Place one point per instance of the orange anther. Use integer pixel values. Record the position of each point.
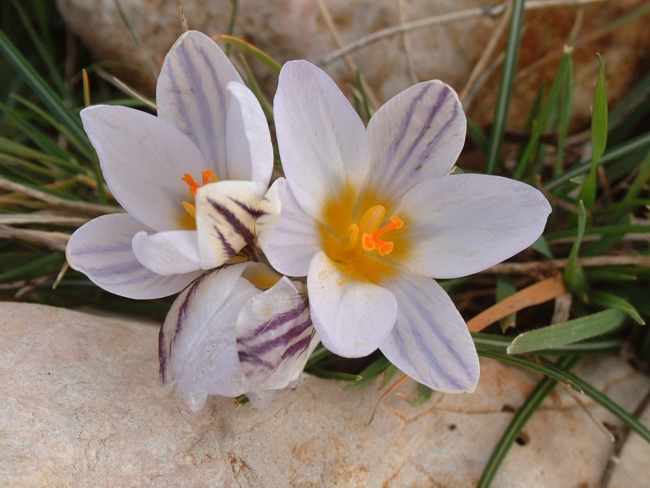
(187, 178)
(209, 177)
(371, 241)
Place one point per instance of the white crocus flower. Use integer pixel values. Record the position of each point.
(370, 216)
(174, 175)
(240, 329)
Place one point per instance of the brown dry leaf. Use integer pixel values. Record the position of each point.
(540, 292)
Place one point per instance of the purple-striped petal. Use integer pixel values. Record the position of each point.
(415, 136)
(101, 249)
(143, 160)
(286, 234)
(225, 219)
(461, 224)
(198, 343)
(275, 336)
(224, 336)
(352, 316)
(322, 141)
(192, 95)
(430, 341)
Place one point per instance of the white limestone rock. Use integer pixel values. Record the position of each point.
(82, 406)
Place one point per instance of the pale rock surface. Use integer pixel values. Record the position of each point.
(82, 406)
(295, 29)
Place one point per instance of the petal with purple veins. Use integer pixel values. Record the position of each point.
(416, 135)
(101, 249)
(192, 95)
(226, 213)
(430, 341)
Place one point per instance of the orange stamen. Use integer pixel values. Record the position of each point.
(209, 177)
(187, 178)
(371, 240)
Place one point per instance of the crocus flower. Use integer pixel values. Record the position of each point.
(371, 215)
(240, 329)
(171, 174)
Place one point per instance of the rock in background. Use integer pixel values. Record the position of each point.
(82, 406)
(293, 29)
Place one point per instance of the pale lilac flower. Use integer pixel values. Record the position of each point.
(163, 169)
(240, 329)
(370, 216)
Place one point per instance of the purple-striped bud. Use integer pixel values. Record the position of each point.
(241, 329)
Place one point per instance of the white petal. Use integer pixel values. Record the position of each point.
(461, 224)
(168, 253)
(322, 141)
(198, 343)
(248, 142)
(192, 95)
(225, 219)
(101, 249)
(286, 234)
(274, 335)
(430, 341)
(352, 317)
(415, 136)
(143, 159)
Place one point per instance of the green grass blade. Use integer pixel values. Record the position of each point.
(603, 400)
(573, 274)
(640, 180)
(564, 118)
(504, 289)
(319, 354)
(38, 267)
(424, 395)
(232, 23)
(598, 138)
(48, 96)
(369, 374)
(249, 48)
(43, 50)
(477, 136)
(641, 142)
(550, 105)
(567, 332)
(43, 140)
(506, 86)
(542, 247)
(79, 144)
(518, 422)
(532, 366)
(255, 88)
(605, 299)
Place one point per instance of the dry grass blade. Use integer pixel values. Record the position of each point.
(45, 219)
(406, 40)
(393, 387)
(532, 267)
(442, 19)
(540, 292)
(53, 240)
(117, 83)
(56, 202)
(182, 13)
(348, 60)
(482, 64)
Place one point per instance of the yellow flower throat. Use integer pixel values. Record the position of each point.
(362, 248)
